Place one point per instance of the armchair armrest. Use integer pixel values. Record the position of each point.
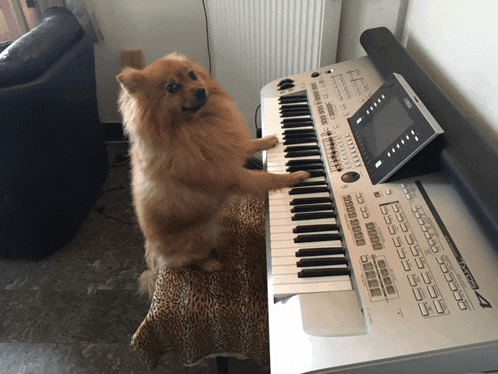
(32, 54)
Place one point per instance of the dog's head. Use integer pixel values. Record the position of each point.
(171, 90)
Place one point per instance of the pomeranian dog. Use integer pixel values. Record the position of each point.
(188, 148)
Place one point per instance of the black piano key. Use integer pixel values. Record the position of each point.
(297, 120)
(303, 140)
(312, 167)
(300, 148)
(313, 215)
(313, 183)
(309, 262)
(303, 122)
(293, 99)
(296, 113)
(310, 200)
(297, 125)
(298, 132)
(303, 162)
(316, 173)
(304, 133)
(316, 238)
(309, 134)
(311, 273)
(306, 190)
(291, 107)
(312, 208)
(308, 252)
(314, 228)
(302, 154)
(291, 113)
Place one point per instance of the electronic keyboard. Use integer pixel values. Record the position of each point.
(384, 260)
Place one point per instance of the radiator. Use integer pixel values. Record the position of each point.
(253, 42)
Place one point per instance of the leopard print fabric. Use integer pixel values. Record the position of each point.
(198, 314)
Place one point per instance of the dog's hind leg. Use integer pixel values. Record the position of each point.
(148, 278)
(205, 245)
(209, 264)
(147, 283)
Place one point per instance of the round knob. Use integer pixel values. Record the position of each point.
(350, 177)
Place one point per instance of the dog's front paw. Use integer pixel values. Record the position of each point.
(298, 177)
(270, 141)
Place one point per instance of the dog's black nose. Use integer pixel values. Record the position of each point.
(200, 94)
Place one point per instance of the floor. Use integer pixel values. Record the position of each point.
(76, 311)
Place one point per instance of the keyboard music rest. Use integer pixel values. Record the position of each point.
(291, 211)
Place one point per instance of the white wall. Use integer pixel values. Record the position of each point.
(256, 42)
(456, 42)
(158, 27)
(360, 15)
(162, 26)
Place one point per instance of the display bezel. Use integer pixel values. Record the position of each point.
(423, 129)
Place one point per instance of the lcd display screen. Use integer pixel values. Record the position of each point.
(385, 126)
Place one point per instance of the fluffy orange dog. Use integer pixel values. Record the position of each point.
(188, 149)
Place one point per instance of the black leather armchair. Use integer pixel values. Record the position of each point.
(53, 159)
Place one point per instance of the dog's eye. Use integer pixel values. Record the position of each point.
(173, 88)
(192, 75)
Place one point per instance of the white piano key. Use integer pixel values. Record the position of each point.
(283, 197)
(290, 260)
(293, 269)
(283, 168)
(284, 222)
(280, 222)
(293, 279)
(274, 125)
(279, 208)
(291, 252)
(326, 285)
(281, 139)
(286, 162)
(278, 153)
(287, 208)
(280, 158)
(277, 169)
(277, 237)
(276, 150)
(288, 215)
(289, 244)
(275, 229)
(286, 201)
(280, 148)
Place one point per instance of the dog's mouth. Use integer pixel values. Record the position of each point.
(195, 108)
(200, 98)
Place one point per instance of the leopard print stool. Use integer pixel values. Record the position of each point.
(198, 314)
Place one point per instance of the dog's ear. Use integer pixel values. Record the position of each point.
(176, 56)
(131, 79)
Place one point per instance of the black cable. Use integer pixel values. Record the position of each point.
(100, 210)
(253, 162)
(207, 35)
(256, 118)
